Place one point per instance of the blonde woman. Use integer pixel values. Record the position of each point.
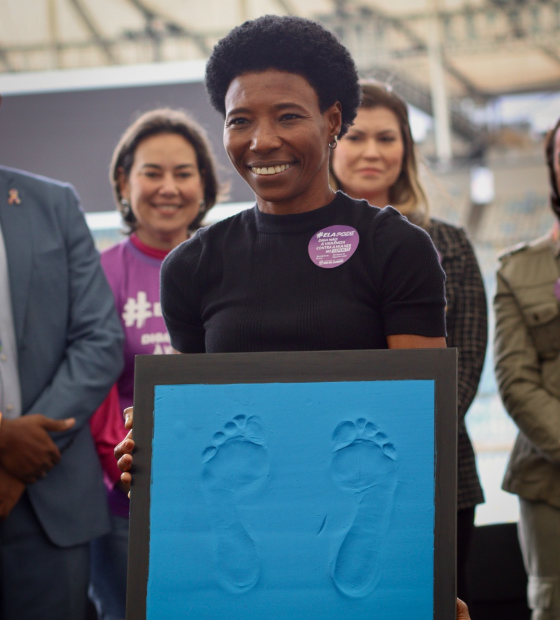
(376, 160)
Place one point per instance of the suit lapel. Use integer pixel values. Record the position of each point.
(17, 230)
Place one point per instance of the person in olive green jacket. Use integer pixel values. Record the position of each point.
(527, 354)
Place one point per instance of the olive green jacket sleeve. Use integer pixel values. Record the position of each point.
(527, 350)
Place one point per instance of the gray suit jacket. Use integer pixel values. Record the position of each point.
(69, 343)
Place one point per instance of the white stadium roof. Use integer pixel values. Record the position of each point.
(489, 47)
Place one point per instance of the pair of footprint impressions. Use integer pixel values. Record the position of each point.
(363, 462)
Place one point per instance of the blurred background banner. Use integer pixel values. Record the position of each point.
(482, 78)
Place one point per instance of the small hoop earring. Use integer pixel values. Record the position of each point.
(334, 143)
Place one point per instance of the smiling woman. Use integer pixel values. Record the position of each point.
(275, 136)
(288, 89)
(307, 268)
(369, 161)
(163, 177)
(164, 183)
(376, 160)
(164, 189)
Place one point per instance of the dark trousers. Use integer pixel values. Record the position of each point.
(38, 580)
(465, 528)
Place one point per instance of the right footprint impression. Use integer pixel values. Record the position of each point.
(235, 464)
(364, 463)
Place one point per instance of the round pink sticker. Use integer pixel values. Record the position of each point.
(557, 289)
(333, 246)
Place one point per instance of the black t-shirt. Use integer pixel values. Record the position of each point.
(248, 283)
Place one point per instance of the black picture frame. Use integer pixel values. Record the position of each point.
(439, 365)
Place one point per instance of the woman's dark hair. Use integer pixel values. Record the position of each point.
(549, 153)
(291, 44)
(157, 122)
(407, 193)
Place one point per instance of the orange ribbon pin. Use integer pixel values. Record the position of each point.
(13, 197)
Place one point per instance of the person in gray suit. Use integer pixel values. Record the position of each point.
(60, 352)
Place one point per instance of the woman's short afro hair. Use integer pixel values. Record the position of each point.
(291, 44)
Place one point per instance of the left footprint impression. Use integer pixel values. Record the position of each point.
(237, 463)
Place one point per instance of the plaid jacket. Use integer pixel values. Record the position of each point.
(467, 330)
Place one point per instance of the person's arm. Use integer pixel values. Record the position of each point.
(91, 364)
(410, 284)
(93, 357)
(124, 450)
(27, 451)
(518, 372)
(179, 309)
(179, 297)
(410, 341)
(107, 430)
(467, 325)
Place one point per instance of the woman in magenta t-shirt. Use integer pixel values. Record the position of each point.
(164, 182)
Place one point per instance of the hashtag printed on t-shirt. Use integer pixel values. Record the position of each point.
(134, 280)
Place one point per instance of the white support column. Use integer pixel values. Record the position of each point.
(440, 104)
(243, 10)
(53, 34)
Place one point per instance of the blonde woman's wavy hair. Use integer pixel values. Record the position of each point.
(407, 194)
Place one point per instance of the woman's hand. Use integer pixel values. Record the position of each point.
(123, 452)
(462, 610)
(412, 341)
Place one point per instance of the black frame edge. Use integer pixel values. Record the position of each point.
(439, 365)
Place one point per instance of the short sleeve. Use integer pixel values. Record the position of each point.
(410, 277)
(180, 297)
